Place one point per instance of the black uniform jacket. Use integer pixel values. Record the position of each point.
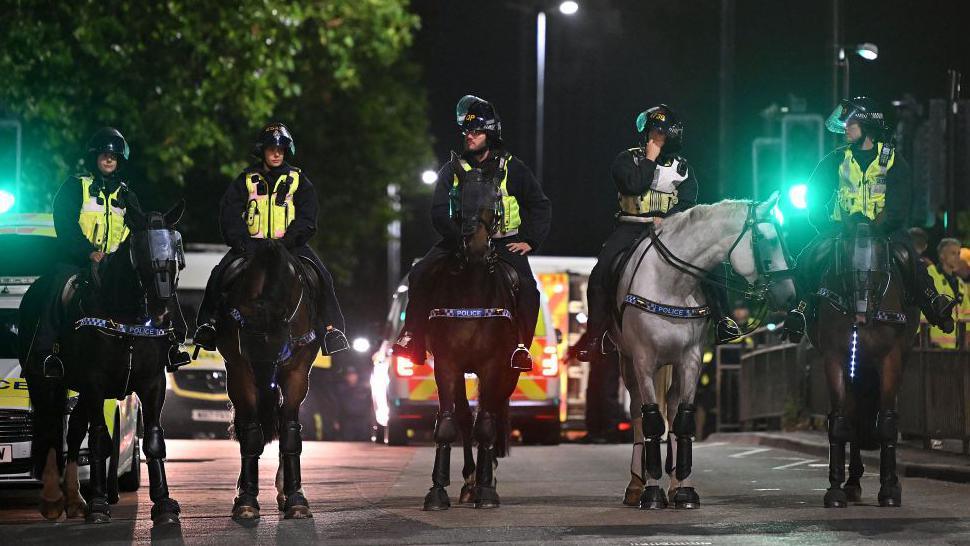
(535, 209)
(67, 208)
(234, 201)
(633, 173)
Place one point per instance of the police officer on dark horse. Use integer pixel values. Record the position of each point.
(863, 316)
(526, 215)
(269, 315)
(652, 181)
(271, 199)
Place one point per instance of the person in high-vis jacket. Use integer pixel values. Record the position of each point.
(527, 214)
(652, 182)
(89, 220)
(948, 283)
(864, 177)
(271, 199)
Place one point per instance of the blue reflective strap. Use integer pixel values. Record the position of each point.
(672, 311)
(471, 313)
(137, 330)
(890, 316)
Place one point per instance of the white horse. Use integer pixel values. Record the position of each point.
(663, 319)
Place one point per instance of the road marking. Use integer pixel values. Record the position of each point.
(796, 463)
(819, 465)
(750, 452)
(713, 444)
(768, 489)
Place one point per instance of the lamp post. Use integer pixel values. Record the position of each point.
(566, 8)
(867, 51)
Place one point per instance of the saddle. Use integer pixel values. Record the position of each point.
(307, 270)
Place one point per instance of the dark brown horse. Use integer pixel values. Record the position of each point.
(267, 338)
(864, 328)
(471, 331)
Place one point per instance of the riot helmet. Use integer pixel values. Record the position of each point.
(662, 119)
(275, 134)
(862, 110)
(476, 114)
(107, 140)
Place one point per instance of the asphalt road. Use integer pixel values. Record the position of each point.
(368, 494)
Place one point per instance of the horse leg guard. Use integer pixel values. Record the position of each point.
(250, 436)
(445, 432)
(485, 431)
(99, 444)
(853, 486)
(465, 423)
(684, 429)
(840, 432)
(890, 490)
(295, 505)
(653, 497)
(164, 508)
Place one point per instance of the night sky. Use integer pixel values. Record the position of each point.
(616, 58)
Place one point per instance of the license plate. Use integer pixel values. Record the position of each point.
(217, 416)
(6, 453)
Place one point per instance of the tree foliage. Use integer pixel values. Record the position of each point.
(190, 83)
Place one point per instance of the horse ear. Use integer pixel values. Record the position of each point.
(174, 214)
(765, 206)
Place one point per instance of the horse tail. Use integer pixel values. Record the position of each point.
(503, 431)
(47, 398)
(866, 392)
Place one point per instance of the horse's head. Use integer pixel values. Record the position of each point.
(479, 215)
(759, 255)
(156, 253)
(264, 301)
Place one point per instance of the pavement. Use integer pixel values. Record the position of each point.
(751, 493)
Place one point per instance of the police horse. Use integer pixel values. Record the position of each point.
(471, 330)
(120, 345)
(266, 336)
(863, 326)
(662, 317)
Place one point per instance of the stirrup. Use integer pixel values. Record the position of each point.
(205, 337)
(53, 367)
(795, 323)
(727, 330)
(177, 358)
(334, 341)
(521, 359)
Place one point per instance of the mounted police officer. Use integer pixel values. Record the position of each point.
(271, 199)
(652, 182)
(865, 177)
(527, 214)
(89, 219)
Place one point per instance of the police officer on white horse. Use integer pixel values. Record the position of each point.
(652, 182)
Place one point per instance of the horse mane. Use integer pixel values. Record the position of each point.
(701, 214)
(274, 260)
(120, 289)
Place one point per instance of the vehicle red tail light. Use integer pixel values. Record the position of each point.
(403, 366)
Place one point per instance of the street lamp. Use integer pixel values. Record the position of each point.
(429, 177)
(866, 50)
(566, 8)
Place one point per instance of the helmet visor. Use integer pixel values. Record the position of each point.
(462, 110)
(654, 119)
(840, 117)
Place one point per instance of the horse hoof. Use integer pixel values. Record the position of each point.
(297, 512)
(835, 498)
(685, 498)
(51, 510)
(113, 498)
(166, 511)
(97, 517)
(245, 513)
(891, 496)
(436, 499)
(653, 498)
(853, 492)
(486, 497)
(75, 509)
(467, 495)
(631, 497)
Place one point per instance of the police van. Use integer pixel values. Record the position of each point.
(28, 246)
(405, 396)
